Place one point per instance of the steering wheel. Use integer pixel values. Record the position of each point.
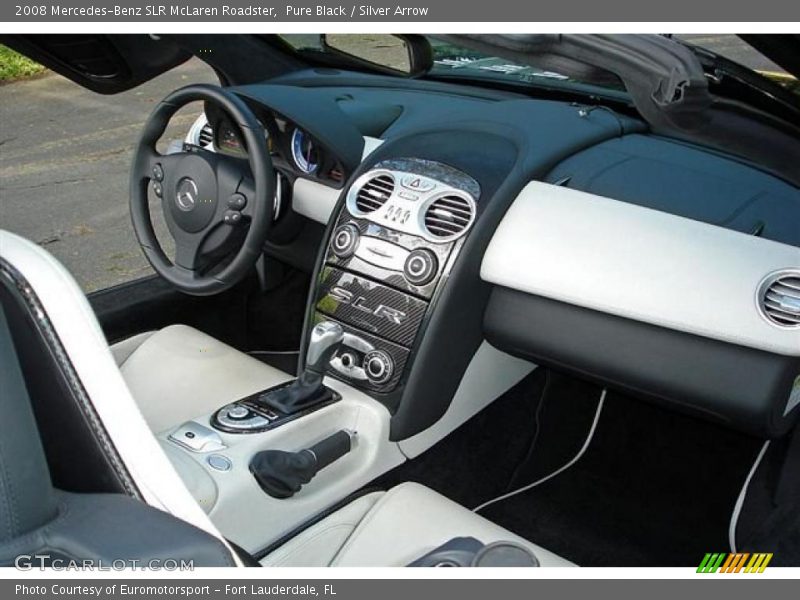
(218, 209)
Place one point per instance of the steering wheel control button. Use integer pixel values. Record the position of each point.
(219, 462)
(420, 266)
(417, 183)
(158, 172)
(378, 366)
(197, 438)
(345, 240)
(238, 412)
(237, 201)
(232, 217)
(158, 190)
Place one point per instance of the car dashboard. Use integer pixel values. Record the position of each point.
(561, 234)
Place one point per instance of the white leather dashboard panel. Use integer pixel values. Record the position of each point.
(314, 200)
(639, 263)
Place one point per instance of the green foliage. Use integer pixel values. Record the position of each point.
(15, 66)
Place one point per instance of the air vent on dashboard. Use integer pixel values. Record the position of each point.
(374, 193)
(206, 136)
(448, 216)
(779, 298)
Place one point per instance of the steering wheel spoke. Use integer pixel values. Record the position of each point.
(187, 255)
(206, 207)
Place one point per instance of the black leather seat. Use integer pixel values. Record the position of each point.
(101, 518)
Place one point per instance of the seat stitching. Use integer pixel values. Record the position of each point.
(9, 496)
(313, 538)
(364, 521)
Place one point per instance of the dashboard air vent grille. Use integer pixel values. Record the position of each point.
(448, 216)
(780, 299)
(374, 193)
(206, 137)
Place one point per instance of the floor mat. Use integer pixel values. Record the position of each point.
(654, 488)
(486, 451)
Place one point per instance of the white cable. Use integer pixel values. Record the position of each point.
(737, 508)
(558, 471)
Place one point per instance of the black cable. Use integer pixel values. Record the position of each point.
(535, 437)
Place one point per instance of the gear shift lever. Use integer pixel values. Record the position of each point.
(308, 390)
(326, 337)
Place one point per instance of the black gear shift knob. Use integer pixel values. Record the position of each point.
(308, 390)
(326, 337)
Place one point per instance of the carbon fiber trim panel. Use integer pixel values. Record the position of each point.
(369, 306)
(398, 353)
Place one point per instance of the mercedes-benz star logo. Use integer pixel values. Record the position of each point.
(186, 196)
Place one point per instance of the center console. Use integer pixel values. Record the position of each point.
(390, 293)
(395, 238)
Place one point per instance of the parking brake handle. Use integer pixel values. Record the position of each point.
(281, 474)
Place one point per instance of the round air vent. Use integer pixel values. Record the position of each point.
(447, 217)
(779, 298)
(374, 193)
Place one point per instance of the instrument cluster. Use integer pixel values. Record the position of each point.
(292, 148)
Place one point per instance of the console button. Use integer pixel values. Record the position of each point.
(238, 412)
(420, 266)
(417, 183)
(408, 196)
(219, 462)
(347, 364)
(251, 423)
(381, 253)
(197, 438)
(345, 240)
(379, 366)
(348, 360)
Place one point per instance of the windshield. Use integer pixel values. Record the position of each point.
(454, 61)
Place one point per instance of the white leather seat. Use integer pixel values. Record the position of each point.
(179, 373)
(56, 300)
(392, 529)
